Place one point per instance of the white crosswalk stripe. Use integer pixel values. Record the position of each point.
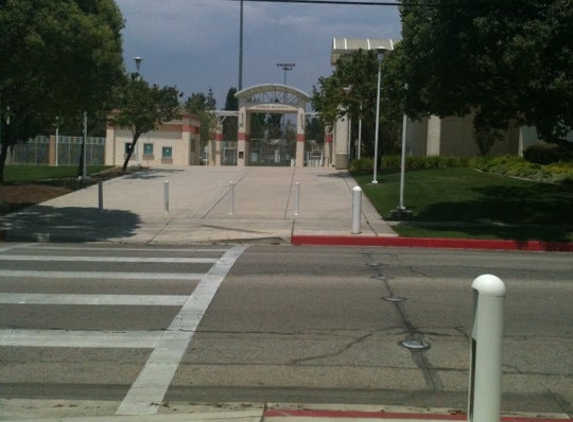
(167, 346)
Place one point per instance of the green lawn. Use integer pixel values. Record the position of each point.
(27, 173)
(486, 205)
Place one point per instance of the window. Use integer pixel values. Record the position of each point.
(167, 155)
(127, 147)
(147, 149)
(167, 152)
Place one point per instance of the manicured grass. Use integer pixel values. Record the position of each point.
(486, 205)
(27, 173)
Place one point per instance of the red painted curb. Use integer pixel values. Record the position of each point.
(387, 415)
(422, 242)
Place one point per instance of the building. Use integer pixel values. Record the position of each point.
(175, 143)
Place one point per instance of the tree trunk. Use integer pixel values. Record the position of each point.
(131, 149)
(3, 155)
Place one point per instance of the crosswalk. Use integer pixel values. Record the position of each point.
(36, 280)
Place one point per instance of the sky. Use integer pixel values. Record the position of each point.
(194, 44)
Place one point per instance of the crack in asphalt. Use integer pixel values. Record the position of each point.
(419, 357)
(335, 353)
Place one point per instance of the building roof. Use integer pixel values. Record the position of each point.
(345, 46)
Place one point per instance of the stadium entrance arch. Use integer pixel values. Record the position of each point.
(273, 99)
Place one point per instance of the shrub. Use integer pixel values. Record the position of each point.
(546, 153)
(362, 166)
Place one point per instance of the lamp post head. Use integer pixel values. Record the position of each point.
(138, 61)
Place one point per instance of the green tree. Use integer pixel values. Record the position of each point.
(351, 90)
(200, 105)
(143, 107)
(504, 60)
(59, 59)
(231, 124)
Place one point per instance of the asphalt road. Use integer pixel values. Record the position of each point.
(131, 327)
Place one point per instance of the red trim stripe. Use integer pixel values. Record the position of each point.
(387, 415)
(419, 242)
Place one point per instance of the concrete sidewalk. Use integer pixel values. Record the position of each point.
(199, 208)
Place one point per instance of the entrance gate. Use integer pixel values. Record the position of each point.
(274, 99)
(274, 152)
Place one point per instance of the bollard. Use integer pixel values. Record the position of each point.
(231, 198)
(356, 209)
(297, 198)
(100, 194)
(166, 196)
(484, 401)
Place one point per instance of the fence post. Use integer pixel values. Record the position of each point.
(484, 401)
(231, 198)
(100, 194)
(297, 198)
(166, 196)
(356, 209)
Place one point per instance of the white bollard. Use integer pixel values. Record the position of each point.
(100, 194)
(297, 198)
(166, 196)
(231, 198)
(356, 209)
(484, 402)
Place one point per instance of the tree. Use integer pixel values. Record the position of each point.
(60, 58)
(503, 60)
(143, 107)
(351, 90)
(230, 124)
(200, 104)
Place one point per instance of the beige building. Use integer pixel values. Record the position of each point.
(174, 143)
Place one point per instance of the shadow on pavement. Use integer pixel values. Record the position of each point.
(148, 174)
(45, 223)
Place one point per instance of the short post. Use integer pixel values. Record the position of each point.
(356, 209)
(100, 194)
(231, 198)
(166, 196)
(297, 198)
(484, 402)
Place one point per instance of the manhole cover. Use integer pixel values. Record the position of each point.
(415, 344)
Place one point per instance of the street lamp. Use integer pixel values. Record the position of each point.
(381, 52)
(138, 61)
(286, 67)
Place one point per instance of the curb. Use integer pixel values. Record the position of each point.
(360, 414)
(420, 242)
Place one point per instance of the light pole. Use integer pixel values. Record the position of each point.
(138, 61)
(241, 48)
(381, 52)
(286, 67)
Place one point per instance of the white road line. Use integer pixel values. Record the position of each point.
(101, 274)
(91, 299)
(35, 246)
(148, 390)
(139, 260)
(80, 339)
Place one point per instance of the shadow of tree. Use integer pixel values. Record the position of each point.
(155, 173)
(533, 204)
(68, 224)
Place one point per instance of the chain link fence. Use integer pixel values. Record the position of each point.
(37, 151)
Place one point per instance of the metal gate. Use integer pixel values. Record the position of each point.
(274, 152)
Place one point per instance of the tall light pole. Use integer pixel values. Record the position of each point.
(286, 67)
(381, 52)
(241, 48)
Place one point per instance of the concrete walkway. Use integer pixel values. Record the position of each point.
(199, 208)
